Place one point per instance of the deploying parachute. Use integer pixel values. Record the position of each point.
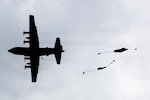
(99, 68)
(116, 51)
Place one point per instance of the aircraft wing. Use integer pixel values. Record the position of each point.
(33, 37)
(34, 59)
(33, 46)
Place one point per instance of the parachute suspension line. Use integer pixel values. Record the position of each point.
(89, 71)
(110, 63)
(104, 52)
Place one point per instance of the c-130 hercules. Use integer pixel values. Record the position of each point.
(33, 52)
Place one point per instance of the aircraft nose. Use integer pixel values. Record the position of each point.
(10, 50)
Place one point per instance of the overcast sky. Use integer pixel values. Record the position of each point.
(85, 28)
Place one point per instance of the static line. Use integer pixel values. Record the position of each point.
(99, 68)
(104, 52)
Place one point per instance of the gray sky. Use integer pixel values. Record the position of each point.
(85, 28)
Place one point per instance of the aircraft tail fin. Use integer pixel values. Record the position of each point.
(58, 50)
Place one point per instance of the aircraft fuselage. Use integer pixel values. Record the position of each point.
(26, 51)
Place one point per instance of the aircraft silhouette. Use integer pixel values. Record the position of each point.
(33, 52)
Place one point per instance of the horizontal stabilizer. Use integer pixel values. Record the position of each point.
(58, 50)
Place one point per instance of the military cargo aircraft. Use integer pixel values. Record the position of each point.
(33, 52)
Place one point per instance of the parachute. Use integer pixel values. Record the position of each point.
(99, 68)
